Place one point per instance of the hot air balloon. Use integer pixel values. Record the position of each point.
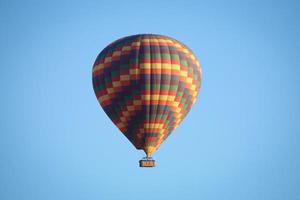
(146, 84)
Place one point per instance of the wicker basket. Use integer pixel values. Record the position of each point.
(147, 163)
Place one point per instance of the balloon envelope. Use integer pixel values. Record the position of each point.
(146, 84)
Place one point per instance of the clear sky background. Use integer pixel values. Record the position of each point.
(239, 142)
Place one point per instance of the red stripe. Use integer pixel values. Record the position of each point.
(160, 60)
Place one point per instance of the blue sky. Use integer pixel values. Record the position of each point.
(240, 140)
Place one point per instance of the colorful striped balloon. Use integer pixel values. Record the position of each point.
(146, 84)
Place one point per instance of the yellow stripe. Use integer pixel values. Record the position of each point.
(183, 73)
(177, 110)
(116, 83)
(175, 104)
(153, 125)
(134, 71)
(110, 90)
(103, 98)
(137, 102)
(195, 93)
(126, 113)
(124, 77)
(186, 51)
(120, 125)
(116, 53)
(193, 87)
(130, 108)
(126, 48)
(169, 98)
(98, 67)
(136, 44)
(189, 80)
(159, 66)
(107, 59)
(146, 97)
(157, 40)
(157, 97)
